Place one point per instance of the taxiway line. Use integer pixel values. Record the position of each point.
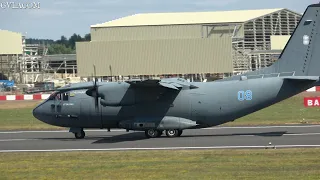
(295, 134)
(9, 140)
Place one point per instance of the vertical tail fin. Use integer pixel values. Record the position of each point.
(302, 52)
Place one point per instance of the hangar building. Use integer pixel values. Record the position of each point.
(186, 43)
(10, 50)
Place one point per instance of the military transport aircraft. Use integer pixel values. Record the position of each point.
(174, 104)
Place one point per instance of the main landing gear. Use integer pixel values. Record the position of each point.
(153, 133)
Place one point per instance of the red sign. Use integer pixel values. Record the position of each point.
(311, 101)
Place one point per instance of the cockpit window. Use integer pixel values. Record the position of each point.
(52, 96)
(65, 96)
(59, 96)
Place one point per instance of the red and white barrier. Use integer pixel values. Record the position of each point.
(314, 89)
(24, 97)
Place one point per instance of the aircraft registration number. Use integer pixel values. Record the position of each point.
(245, 95)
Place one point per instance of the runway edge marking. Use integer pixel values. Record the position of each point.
(164, 148)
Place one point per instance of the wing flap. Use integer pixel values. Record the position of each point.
(168, 85)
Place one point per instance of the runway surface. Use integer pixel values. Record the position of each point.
(211, 138)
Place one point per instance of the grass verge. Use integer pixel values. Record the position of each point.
(290, 111)
(204, 164)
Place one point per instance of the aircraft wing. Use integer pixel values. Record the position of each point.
(171, 83)
(65, 89)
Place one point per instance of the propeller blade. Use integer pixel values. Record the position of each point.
(95, 75)
(96, 97)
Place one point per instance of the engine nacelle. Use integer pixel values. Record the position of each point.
(167, 122)
(116, 94)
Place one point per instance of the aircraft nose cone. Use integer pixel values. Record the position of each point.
(36, 113)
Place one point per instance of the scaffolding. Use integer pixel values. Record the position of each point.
(48, 67)
(35, 65)
(257, 37)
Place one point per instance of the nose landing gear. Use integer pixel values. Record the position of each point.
(78, 133)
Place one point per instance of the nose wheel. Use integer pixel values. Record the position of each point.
(79, 135)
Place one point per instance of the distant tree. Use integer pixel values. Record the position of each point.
(73, 39)
(63, 40)
(59, 49)
(87, 37)
(62, 45)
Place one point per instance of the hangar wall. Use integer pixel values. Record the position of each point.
(279, 42)
(245, 31)
(162, 32)
(155, 57)
(10, 49)
(10, 42)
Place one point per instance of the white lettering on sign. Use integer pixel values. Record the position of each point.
(312, 101)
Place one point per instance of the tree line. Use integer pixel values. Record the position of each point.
(62, 46)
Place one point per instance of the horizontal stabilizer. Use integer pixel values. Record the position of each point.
(302, 78)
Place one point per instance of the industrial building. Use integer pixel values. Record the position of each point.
(29, 63)
(10, 50)
(222, 42)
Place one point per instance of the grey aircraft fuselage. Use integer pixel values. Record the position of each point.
(211, 104)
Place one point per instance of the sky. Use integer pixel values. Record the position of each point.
(55, 18)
